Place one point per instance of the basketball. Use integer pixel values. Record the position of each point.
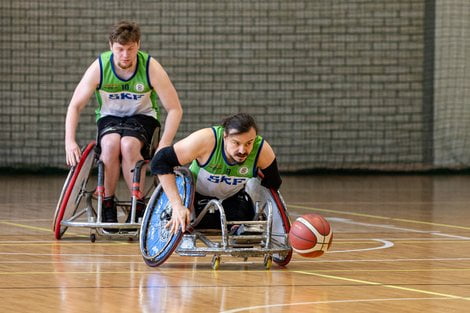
(310, 235)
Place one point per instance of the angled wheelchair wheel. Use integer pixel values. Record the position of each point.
(156, 242)
(72, 193)
(281, 225)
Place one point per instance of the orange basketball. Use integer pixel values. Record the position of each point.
(311, 235)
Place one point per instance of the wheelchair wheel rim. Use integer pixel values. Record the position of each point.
(156, 244)
(75, 182)
(280, 259)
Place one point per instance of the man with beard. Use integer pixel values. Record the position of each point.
(222, 158)
(127, 83)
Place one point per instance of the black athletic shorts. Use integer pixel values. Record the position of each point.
(141, 127)
(238, 207)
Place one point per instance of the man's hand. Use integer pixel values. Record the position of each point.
(179, 217)
(72, 153)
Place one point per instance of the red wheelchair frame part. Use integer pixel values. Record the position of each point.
(65, 199)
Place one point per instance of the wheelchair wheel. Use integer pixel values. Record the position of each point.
(73, 191)
(156, 242)
(281, 225)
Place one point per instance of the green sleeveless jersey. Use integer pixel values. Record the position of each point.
(120, 97)
(217, 178)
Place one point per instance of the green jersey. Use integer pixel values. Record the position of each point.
(125, 97)
(217, 177)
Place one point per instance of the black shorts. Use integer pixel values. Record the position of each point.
(238, 207)
(141, 127)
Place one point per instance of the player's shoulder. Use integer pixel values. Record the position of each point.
(153, 62)
(93, 73)
(197, 144)
(204, 133)
(202, 138)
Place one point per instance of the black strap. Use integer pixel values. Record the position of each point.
(164, 161)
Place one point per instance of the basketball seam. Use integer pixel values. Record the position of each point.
(322, 240)
(311, 228)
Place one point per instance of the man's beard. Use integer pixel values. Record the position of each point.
(239, 155)
(125, 67)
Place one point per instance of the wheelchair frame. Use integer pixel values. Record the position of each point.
(79, 200)
(268, 230)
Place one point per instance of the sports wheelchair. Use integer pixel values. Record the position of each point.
(264, 236)
(81, 199)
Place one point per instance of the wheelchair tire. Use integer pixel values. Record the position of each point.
(156, 243)
(71, 194)
(279, 202)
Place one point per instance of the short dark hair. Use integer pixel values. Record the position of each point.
(240, 122)
(124, 32)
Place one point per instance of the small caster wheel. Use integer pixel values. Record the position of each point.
(245, 259)
(268, 261)
(215, 262)
(92, 237)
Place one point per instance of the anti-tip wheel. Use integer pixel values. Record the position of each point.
(268, 261)
(215, 262)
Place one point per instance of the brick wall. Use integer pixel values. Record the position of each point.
(333, 84)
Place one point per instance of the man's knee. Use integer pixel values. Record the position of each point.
(110, 147)
(130, 147)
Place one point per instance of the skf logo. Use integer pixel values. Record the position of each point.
(233, 181)
(124, 96)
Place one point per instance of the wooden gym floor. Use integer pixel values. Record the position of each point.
(402, 244)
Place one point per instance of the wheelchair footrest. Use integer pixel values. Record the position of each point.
(247, 234)
(246, 230)
(188, 242)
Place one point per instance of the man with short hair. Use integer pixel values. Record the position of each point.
(222, 158)
(126, 83)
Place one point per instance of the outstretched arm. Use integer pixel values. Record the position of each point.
(198, 146)
(80, 98)
(170, 101)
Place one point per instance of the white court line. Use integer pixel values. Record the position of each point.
(349, 221)
(25, 220)
(74, 243)
(66, 244)
(74, 262)
(70, 254)
(247, 262)
(380, 260)
(437, 233)
(386, 244)
(330, 302)
(405, 239)
(449, 236)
